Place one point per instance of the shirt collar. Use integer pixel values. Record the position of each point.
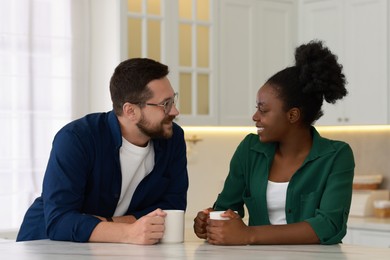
(115, 129)
(320, 146)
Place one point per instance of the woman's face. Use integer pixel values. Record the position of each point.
(270, 118)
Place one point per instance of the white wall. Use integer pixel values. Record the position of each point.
(208, 165)
(104, 51)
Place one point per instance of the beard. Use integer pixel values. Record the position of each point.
(157, 130)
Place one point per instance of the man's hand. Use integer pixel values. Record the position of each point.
(148, 229)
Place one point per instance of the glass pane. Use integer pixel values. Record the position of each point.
(154, 7)
(185, 100)
(185, 9)
(134, 6)
(185, 45)
(203, 94)
(134, 34)
(154, 40)
(203, 10)
(202, 46)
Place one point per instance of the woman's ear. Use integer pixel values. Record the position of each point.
(294, 114)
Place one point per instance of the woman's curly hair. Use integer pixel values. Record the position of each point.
(316, 76)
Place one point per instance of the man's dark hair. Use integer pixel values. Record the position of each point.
(129, 83)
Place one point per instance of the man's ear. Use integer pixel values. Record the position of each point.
(130, 110)
(294, 114)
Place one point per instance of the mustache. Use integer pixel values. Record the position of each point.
(169, 119)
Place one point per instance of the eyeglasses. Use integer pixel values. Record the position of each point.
(166, 104)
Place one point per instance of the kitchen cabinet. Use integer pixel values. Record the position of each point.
(217, 74)
(181, 34)
(357, 31)
(257, 39)
(218, 60)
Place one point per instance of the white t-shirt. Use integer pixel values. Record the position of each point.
(136, 163)
(276, 202)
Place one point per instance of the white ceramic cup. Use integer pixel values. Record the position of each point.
(217, 215)
(174, 226)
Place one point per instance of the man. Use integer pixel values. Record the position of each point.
(111, 175)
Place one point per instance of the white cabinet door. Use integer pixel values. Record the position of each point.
(366, 59)
(355, 30)
(257, 40)
(236, 61)
(323, 20)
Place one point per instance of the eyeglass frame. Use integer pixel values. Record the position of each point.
(168, 103)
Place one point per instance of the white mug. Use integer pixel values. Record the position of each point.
(174, 226)
(217, 215)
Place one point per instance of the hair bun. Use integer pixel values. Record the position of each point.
(319, 71)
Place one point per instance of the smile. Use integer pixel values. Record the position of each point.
(260, 129)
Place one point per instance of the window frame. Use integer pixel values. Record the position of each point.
(170, 22)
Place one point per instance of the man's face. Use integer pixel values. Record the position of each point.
(162, 129)
(160, 111)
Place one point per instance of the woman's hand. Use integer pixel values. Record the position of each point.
(227, 232)
(200, 223)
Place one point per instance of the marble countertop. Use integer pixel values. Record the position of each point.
(371, 223)
(56, 250)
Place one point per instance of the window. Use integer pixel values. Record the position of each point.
(36, 57)
(194, 56)
(144, 29)
(181, 34)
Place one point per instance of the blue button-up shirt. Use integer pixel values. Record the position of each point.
(83, 178)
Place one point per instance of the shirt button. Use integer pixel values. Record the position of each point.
(289, 210)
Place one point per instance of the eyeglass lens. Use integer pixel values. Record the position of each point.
(169, 103)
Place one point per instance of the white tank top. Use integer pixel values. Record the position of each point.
(276, 202)
(136, 163)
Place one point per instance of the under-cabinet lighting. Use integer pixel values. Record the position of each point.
(250, 129)
(219, 129)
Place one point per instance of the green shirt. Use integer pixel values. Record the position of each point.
(319, 192)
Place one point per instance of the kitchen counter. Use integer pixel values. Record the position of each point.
(368, 231)
(47, 249)
(371, 223)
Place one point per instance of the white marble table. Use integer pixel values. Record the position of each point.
(54, 250)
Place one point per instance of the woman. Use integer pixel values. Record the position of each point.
(295, 184)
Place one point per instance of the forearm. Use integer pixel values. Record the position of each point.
(110, 232)
(296, 233)
(147, 230)
(129, 219)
